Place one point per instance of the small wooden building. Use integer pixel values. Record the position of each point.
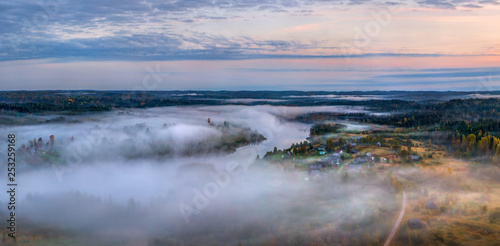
(430, 205)
(415, 224)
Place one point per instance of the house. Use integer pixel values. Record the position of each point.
(336, 154)
(378, 144)
(369, 156)
(339, 151)
(336, 160)
(321, 163)
(430, 205)
(315, 166)
(414, 157)
(288, 155)
(321, 147)
(315, 169)
(355, 151)
(333, 159)
(359, 160)
(322, 152)
(415, 224)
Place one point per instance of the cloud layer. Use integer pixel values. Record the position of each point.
(106, 198)
(180, 30)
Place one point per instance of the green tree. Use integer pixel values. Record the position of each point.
(341, 142)
(396, 148)
(329, 144)
(408, 144)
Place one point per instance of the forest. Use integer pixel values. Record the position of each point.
(426, 110)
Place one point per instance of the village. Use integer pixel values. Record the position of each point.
(442, 191)
(344, 150)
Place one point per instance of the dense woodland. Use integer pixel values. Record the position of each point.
(467, 128)
(319, 129)
(420, 115)
(395, 101)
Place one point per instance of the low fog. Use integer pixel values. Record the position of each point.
(111, 188)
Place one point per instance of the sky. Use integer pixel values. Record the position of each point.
(250, 45)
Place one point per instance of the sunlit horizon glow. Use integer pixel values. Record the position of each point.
(255, 45)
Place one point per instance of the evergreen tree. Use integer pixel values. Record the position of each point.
(329, 144)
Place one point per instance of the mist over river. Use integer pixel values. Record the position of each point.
(99, 190)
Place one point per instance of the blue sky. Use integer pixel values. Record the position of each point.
(259, 44)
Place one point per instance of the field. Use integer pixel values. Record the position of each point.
(466, 196)
(466, 193)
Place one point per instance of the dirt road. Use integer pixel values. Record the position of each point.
(398, 221)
